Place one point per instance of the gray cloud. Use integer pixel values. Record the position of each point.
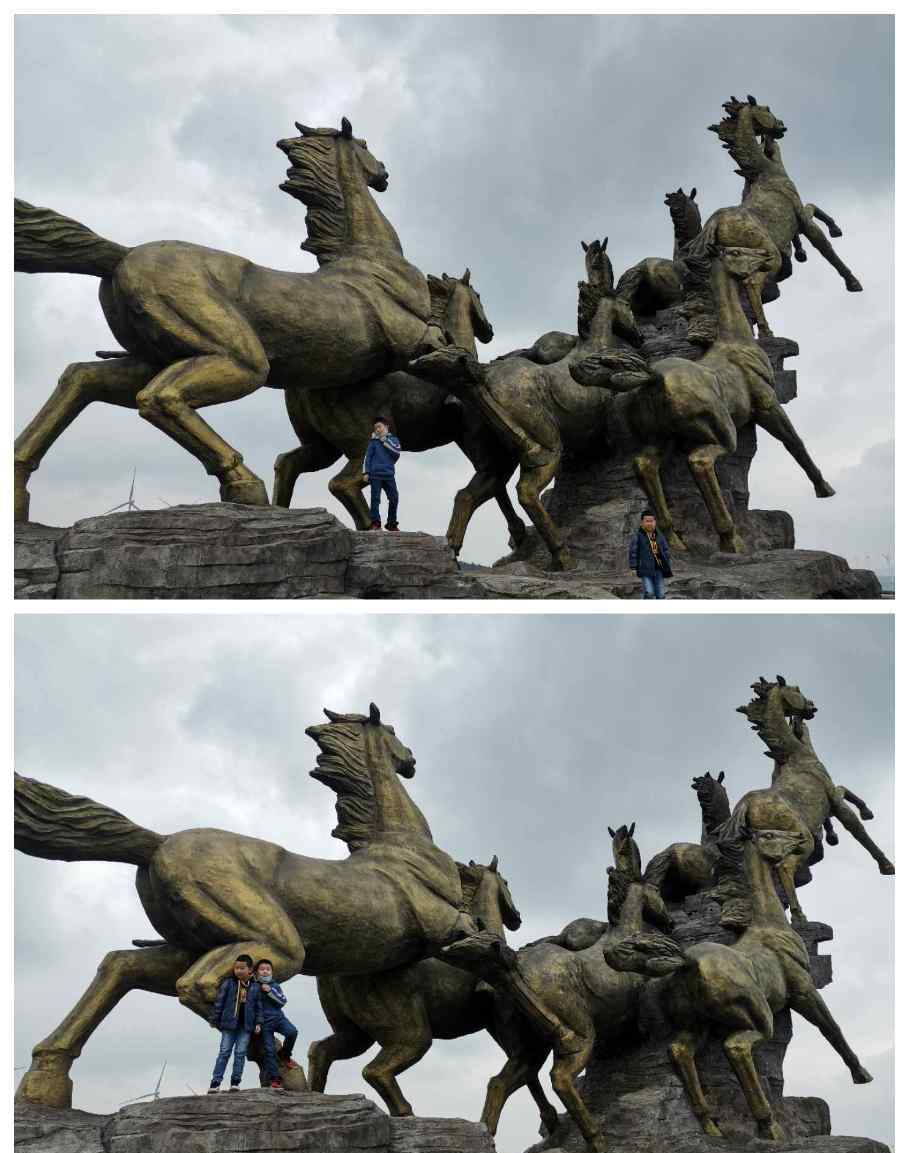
(531, 735)
(508, 139)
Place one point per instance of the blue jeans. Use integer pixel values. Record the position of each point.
(653, 587)
(238, 1040)
(376, 485)
(288, 1032)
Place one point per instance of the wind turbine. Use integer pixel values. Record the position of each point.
(155, 1093)
(129, 504)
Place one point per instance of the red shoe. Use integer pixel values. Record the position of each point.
(290, 1063)
(376, 524)
(276, 1084)
(392, 527)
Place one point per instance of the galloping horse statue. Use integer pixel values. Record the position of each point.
(406, 1009)
(337, 422)
(700, 404)
(802, 796)
(201, 327)
(537, 409)
(212, 894)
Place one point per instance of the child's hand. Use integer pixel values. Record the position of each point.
(266, 988)
(366, 478)
(258, 1029)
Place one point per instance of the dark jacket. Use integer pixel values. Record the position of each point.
(381, 457)
(273, 1002)
(223, 1013)
(640, 554)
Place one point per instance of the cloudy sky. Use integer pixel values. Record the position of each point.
(531, 734)
(508, 140)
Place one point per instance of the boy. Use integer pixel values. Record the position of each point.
(237, 1012)
(379, 470)
(648, 556)
(273, 1002)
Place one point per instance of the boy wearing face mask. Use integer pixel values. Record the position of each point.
(273, 1002)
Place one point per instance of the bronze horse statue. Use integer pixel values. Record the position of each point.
(212, 894)
(337, 422)
(201, 327)
(405, 1009)
(734, 990)
(656, 283)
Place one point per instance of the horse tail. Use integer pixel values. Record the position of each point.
(49, 823)
(653, 954)
(45, 241)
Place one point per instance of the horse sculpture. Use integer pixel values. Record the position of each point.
(202, 327)
(536, 408)
(337, 422)
(656, 283)
(571, 998)
(212, 894)
(685, 868)
(406, 1009)
(734, 991)
(701, 404)
(802, 796)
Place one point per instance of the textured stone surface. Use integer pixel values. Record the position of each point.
(259, 1120)
(36, 568)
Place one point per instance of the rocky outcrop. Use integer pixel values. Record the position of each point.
(259, 1119)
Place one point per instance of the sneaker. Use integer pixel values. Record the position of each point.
(234, 1089)
(214, 1087)
(290, 1063)
(376, 524)
(392, 527)
(276, 1084)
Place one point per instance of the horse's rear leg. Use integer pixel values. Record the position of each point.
(850, 821)
(347, 487)
(683, 1050)
(565, 1069)
(646, 466)
(112, 381)
(702, 463)
(155, 970)
(521, 1068)
(170, 401)
(481, 487)
(312, 455)
(774, 420)
(739, 1047)
(825, 248)
(397, 1054)
(534, 478)
(347, 1041)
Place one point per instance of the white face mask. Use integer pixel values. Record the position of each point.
(263, 977)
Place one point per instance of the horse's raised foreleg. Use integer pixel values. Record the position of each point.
(155, 970)
(832, 227)
(808, 1003)
(683, 1049)
(534, 478)
(810, 229)
(850, 821)
(702, 463)
(739, 1048)
(112, 381)
(864, 812)
(646, 466)
(769, 414)
(347, 487)
(170, 401)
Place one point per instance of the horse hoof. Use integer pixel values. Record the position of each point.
(824, 489)
(835, 231)
(861, 1076)
(887, 869)
(563, 561)
(800, 256)
(866, 814)
(770, 1131)
(732, 543)
(852, 284)
(46, 1087)
(675, 542)
(711, 1128)
(246, 491)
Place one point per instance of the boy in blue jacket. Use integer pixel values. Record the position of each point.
(237, 1013)
(379, 463)
(273, 1002)
(648, 556)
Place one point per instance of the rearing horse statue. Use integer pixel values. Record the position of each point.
(212, 894)
(202, 327)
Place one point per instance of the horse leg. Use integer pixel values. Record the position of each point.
(850, 821)
(170, 401)
(786, 871)
(864, 812)
(832, 227)
(481, 487)
(825, 248)
(647, 470)
(517, 530)
(769, 414)
(347, 487)
(394, 1057)
(565, 1068)
(520, 1069)
(312, 455)
(754, 286)
(798, 250)
(739, 1046)
(683, 1050)
(830, 833)
(702, 463)
(808, 1003)
(154, 969)
(112, 381)
(534, 478)
(347, 1041)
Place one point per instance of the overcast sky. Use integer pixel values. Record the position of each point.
(508, 140)
(531, 734)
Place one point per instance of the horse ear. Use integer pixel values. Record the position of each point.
(445, 276)
(603, 245)
(471, 864)
(611, 830)
(374, 718)
(346, 128)
(332, 716)
(584, 245)
(752, 101)
(303, 129)
(692, 194)
(780, 680)
(631, 830)
(719, 779)
(494, 865)
(465, 279)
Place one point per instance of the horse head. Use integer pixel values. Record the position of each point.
(597, 264)
(761, 124)
(601, 312)
(685, 214)
(713, 799)
(488, 896)
(625, 852)
(463, 318)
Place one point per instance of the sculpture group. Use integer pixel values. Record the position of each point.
(409, 946)
(369, 332)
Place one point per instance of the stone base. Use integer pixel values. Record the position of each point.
(259, 1119)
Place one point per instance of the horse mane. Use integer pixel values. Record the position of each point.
(343, 768)
(590, 296)
(732, 889)
(617, 889)
(747, 153)
(439, 295)
(316, 182)
(471, 876)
